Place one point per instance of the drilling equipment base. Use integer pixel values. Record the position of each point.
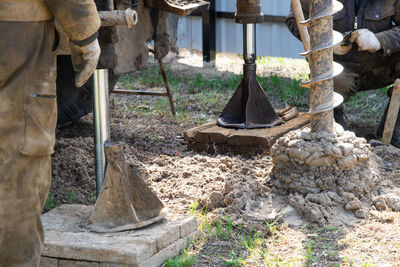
(212, 138)
(68, 243)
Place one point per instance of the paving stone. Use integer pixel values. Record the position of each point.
(102, 264)
(48, 262)
(167, 235)
(187, 225)
(129, 248)
(71, 263)
(170, 251)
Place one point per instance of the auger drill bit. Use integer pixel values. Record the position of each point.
(322, 68)
(249, 106)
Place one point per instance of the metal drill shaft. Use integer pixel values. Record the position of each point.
(321, 62)
(322, 68)
(101, 123)
(249, 43)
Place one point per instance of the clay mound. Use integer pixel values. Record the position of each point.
(335, 180)
(328, 179)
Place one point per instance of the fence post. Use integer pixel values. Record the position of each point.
(209, 33)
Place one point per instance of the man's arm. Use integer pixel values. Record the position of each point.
(80, 22)
(390, 39)
(78, 18)
(291, 20)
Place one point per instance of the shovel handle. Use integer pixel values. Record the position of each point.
(392, 113)
(298, 13)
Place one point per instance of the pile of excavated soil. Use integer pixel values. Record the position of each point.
(327, 176)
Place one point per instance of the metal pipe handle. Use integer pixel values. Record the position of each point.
(126, 17)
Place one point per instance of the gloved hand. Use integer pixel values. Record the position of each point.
(342, 48)
(345, 46)
(84, 59)
(366, 40)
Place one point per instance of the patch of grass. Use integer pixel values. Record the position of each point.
(200, 99)
(70, 196)
(50, 203)
(237, 244)
(232, 261)
(272, 227)
(321, 247)
(367, 106)
(288, 90)
(182, 260)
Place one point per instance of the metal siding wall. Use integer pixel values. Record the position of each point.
(273, 39)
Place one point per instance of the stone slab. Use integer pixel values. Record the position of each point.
(72, 263)
(67, 239)
(48, 262)
(212, 138)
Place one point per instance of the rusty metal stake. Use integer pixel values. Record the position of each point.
(322, 68)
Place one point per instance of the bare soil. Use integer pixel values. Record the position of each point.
(233, 185)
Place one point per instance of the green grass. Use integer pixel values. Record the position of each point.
(239, 244)
(200, 99)
(320, 247)
(51, 203)
(182, 260)
(70, 196)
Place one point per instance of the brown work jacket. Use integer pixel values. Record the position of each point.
(79, 19)
(382, 17)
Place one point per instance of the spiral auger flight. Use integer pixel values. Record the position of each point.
(322, 68)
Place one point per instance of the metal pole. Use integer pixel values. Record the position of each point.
(249, 43)
(110, 4)
(209, 33)
(101, 123)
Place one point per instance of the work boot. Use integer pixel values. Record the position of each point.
(396, 132)
(338, 114)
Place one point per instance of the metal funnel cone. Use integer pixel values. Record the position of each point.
(249, 106)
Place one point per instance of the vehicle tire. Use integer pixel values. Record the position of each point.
(74, 103)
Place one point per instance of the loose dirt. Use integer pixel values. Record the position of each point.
(234, 185)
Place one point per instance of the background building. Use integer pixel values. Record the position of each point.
(273, 37)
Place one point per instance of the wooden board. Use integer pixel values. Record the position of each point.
(212, 138)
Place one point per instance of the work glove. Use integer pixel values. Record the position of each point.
(345, 46)
(84, 59)
(342, 49)
(366, 40)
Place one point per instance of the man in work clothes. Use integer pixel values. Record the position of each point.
(28, 111)
(371, 60)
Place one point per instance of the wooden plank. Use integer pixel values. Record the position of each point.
(248, 137)
(217, 134)
(392, 113)
(201, 147)
(265, 137)
(189, 135)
